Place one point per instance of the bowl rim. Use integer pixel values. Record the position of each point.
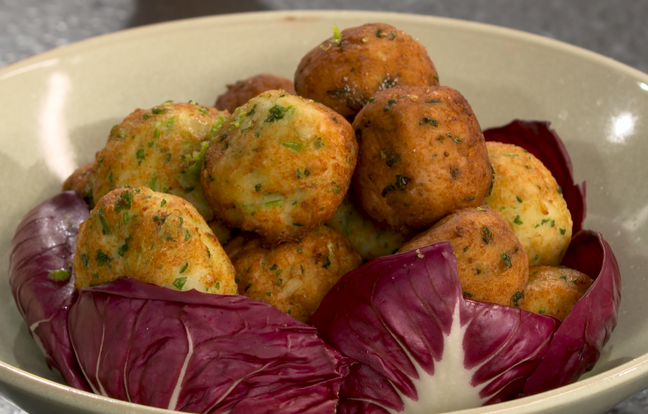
(633, 371)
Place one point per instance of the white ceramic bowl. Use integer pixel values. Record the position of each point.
(57, 109)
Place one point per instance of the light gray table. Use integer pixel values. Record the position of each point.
(614, 28)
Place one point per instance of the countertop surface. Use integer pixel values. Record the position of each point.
(616, 29)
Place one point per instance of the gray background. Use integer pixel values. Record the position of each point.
(614, 28)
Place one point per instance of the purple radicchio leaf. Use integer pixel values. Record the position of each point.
(42, 278)
(420, 346)
(545, 144)
(199, 352)
(578, 342)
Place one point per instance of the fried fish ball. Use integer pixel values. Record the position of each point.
(527, 195)
(154, 238)
(554, 290)
(344, 72)
(422, 155)
(280, 166)
(80, 181)
(242, 91)
(492, 264)
(369, 238)
(292, 277)
(159, 148)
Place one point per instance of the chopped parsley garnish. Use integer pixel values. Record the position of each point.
(105, 228)
(517, 220)
(277, 112)
(388, 190)
(487, 236)
(122, 249)
(506, 259)
(58, 275)
(180, 282)
(102, 258)
(339, 93)
(140, 156)
(516, 297)
(293, 145)
(428, 120)
(184, 267)
(402, 181)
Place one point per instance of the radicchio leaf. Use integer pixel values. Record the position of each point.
(420, 346)
(545, 144)
(199, 352)
(578, 342)
(40, 262)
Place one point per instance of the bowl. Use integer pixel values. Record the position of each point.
(58, 108)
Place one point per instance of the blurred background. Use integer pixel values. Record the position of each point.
(613, 28)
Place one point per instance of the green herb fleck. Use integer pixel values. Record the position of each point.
(183, 267)
(58, 275)
(105, 228)
(180, 282)
(340, 92)
(402, 181)
(428, 120)
(85, 259)
(140, 156)
(122, 249)
(487, 236)
(102, 258)
(517, 220)
(293, 145)
(516, 297)
(506, 259)
(388, 190)
(277, 112)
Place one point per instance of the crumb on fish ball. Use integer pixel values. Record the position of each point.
(344, 72)
(154, 238)
(527, 195)
(554, 290)
(492, 264)
(159, 148)
(280, 166)
(369, 238)
(244, 90)
(422, 155)
(80, 181)
(292, 277)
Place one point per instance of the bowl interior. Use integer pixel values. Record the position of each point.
(58, 107)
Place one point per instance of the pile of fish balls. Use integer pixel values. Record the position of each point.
(284, 186)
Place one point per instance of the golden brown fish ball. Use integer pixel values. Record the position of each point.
(344, 72)
(154, 238)
(159, 148)
(80, 181)
(280, 166)
(242, 91)
(293, 277)
(528, 197)
(369, 238)
(554, 290)
(492, 264)
(422, 155)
